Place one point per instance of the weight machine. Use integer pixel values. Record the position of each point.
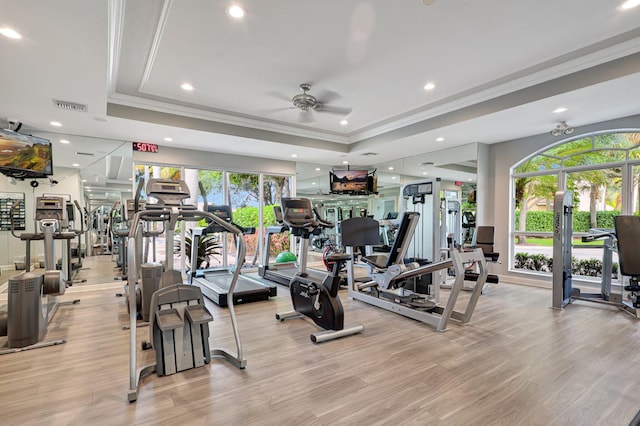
(623, 240)
(387, 286)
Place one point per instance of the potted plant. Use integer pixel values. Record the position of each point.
(208, 245)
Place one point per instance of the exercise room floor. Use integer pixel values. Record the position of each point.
(518, 363)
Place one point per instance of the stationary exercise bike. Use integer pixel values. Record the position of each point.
(316, 299)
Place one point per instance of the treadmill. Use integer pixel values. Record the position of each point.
(280, 273)
(214, 283)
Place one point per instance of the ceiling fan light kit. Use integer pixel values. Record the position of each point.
(305, 101)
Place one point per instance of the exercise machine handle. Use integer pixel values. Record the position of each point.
(204, 196)
(82, 218)
(12, 217)
(321, 222)
(136, 198)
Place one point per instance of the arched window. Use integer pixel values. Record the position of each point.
(603, 171)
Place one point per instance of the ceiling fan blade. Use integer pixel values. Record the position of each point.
(327, 96)
(273, 110)
(335, 110)
(279, 95)
(307, 116)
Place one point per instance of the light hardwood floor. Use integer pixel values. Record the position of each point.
(518, 363)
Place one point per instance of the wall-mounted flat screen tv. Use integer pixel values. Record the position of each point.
(349, 181)
(24, 156)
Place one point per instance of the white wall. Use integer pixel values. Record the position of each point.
(494, 188)
(68, 183)
(214, 161)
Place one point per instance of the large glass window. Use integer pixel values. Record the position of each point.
(274, 188)
(251, 205)
(600, 169)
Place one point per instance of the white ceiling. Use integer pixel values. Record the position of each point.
(500, 68)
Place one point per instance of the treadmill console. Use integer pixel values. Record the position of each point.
(297, 211)
(50, 208)
(168, 192)
(221, 211)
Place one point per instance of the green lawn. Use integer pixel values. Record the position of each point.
(548, 242)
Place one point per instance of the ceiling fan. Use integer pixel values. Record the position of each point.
(309, 104)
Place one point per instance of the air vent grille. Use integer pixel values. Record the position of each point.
(71, 106)
(88, 154)
(369, 154)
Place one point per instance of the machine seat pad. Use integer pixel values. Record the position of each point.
(472, 276)
(377, 260)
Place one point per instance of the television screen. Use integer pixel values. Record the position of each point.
(24, 155)
(349, 180)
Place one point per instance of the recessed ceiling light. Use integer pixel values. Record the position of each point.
(440, 139)
(469, 179)
(167, 139)
(344, 122)
(425, 173)
(76, 165)
(8, 32)
(130, 178)
(629, 4)
(561, 109)
(84, 180)
(55, 123)
(235, 11)
(88, 190)
(345, 162)
(313, 183)
(390, 167)
(429, 86)
(318, 169)
(294, 155)
(186, 86)
(64, 141)
(393, 177)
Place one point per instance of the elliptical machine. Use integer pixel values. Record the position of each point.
(313, 298)
(32, 301)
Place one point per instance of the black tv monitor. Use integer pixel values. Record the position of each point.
(346, 181)
(25, 156)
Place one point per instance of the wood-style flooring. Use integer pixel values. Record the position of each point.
(518, 363)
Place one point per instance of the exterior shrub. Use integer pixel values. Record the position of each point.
(543, 263)
(542, 221)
